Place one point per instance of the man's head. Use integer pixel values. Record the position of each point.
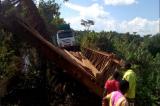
(116, 75)
(127, 65)
(124, 86)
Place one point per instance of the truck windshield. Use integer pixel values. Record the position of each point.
(65, 34)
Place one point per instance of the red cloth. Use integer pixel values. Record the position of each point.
(111, 85)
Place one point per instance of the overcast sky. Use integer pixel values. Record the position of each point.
(140, 16)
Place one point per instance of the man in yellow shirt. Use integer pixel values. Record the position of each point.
(130, 76)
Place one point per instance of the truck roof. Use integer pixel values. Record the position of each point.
(64, 27)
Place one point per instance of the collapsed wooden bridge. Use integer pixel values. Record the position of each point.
(88, 66)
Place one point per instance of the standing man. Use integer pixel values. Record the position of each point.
(130, 76)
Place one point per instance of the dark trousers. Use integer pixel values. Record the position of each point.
(130, 101)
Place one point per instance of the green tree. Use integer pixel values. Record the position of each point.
(154, 45)
(87, 23)
(48, 9)
(57, 21)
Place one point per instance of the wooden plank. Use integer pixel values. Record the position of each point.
(84, 62)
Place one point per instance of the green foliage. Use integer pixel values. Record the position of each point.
(103, 41)
(148, 81)
(8, 59)
(57, 21)
(94, 40)
(49, 9)
(88, 39)
(154, 44)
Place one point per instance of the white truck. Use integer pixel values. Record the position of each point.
(65, 38)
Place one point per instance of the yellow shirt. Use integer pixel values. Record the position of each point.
(130, 76)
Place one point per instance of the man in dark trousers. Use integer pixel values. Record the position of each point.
(130, 76)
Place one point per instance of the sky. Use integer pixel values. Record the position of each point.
(141, 16)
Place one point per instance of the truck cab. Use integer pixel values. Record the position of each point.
(65, 38)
